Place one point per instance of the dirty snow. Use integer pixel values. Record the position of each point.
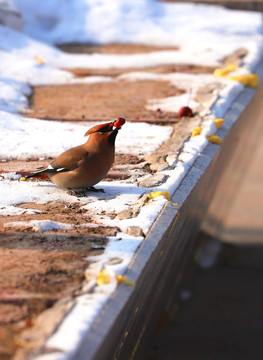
(204, 34)
(12, 210)
(40, 225)
(25, 138)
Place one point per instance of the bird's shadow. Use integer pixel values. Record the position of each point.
(109, 190)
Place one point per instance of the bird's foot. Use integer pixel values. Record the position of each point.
(78, 193)
(92, 188)
(83, 192)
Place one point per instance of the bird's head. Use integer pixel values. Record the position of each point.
(109, 129)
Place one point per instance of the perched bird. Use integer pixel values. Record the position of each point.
(85, 165)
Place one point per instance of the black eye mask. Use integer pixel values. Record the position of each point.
(105, 129)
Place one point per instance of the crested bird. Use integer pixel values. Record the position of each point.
(83, 166)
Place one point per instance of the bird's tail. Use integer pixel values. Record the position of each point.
(40, 174)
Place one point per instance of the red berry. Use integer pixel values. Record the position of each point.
(119, 122)
(185, 111)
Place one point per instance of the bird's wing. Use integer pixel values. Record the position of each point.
(69, 160)
(43, 172)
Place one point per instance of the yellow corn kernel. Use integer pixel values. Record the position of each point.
(123, 279)
(223, 72)
(155, 194)
(214, 139)
(197, 131)
(103, 277)
(219, 123)
(251, 80)
(39, 60)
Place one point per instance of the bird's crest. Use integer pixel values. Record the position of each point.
(108, 127)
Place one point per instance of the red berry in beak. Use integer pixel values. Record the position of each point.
(185, 111)
(119, 122)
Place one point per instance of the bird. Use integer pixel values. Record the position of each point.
(83, 166)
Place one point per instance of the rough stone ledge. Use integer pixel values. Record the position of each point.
(159, 261)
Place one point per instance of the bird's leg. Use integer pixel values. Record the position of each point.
(78, 193)
(82, 192)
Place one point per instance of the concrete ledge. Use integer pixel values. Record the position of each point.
(126, 320)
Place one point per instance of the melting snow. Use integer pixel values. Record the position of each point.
(203, 34)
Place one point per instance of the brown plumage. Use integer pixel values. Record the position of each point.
(85, 165)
